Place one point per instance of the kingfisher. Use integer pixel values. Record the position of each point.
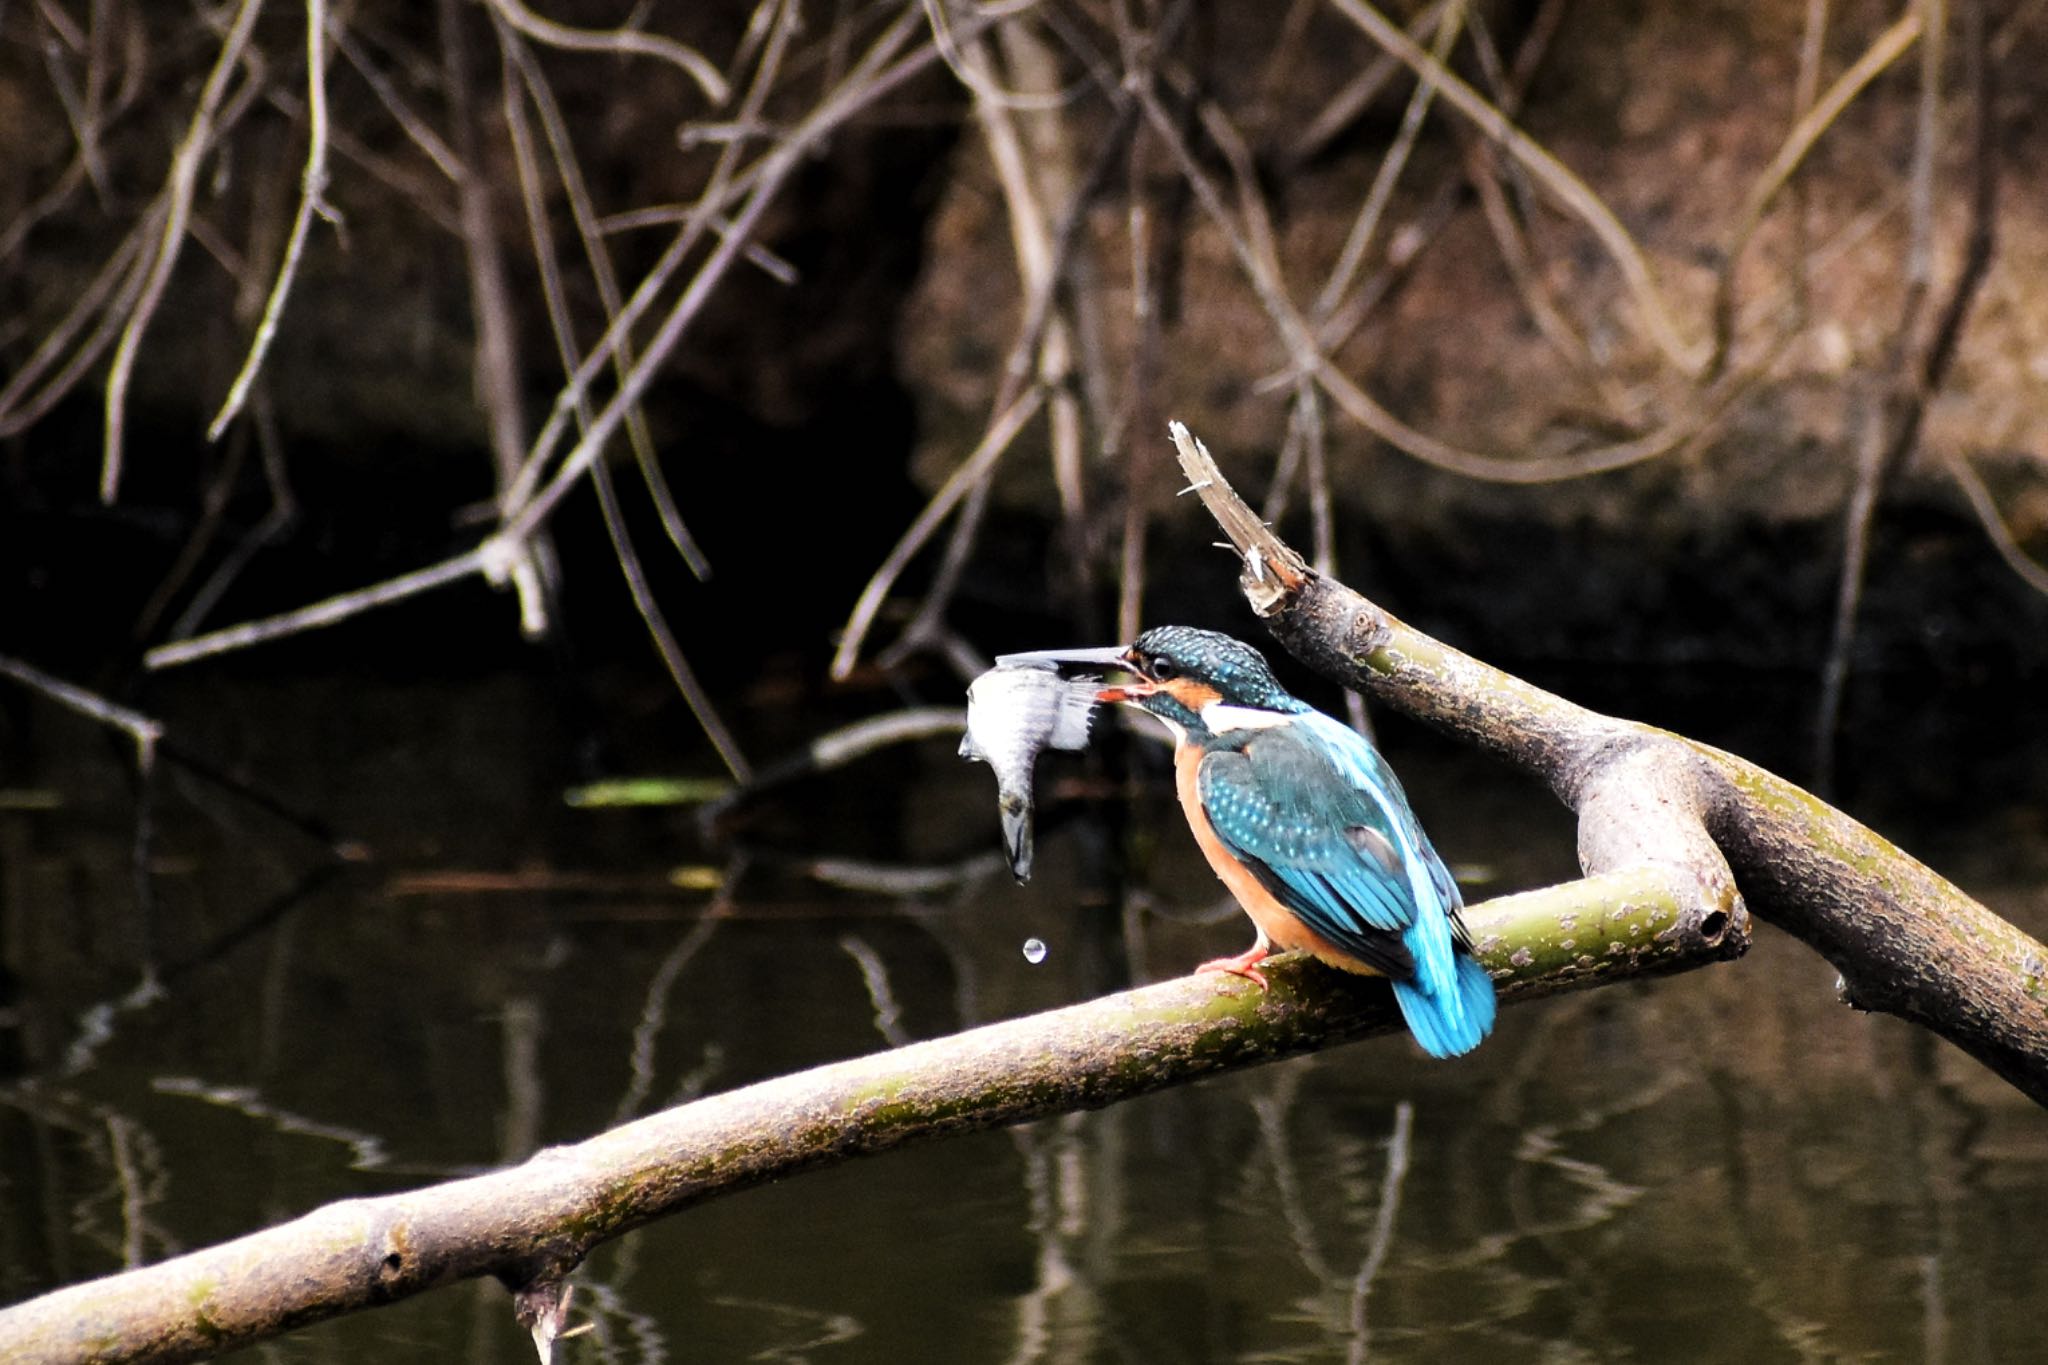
(1304, 822)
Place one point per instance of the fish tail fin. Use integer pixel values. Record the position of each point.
(1017, 840)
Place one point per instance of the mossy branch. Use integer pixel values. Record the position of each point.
(1905, 941)
(529, 1225)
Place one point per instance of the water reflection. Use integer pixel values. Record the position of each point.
(1726, 1165)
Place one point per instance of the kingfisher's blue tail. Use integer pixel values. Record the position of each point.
(1453, 1019)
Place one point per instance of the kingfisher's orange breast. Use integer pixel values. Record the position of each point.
(1281, 926)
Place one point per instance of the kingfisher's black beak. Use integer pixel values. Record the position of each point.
(1108, 656)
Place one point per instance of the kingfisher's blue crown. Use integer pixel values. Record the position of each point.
(1232, 667)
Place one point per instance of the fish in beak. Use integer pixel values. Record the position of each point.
(1018, 709)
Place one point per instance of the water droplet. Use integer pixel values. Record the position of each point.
(1034, 951)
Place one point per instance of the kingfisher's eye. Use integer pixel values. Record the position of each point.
(1162, 668)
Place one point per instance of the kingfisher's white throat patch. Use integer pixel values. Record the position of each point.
(1222, 718)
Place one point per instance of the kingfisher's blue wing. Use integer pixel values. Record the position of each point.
(1430, 882)
(1318, 817)
(1327, 849)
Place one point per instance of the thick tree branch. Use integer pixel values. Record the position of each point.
(1905, 941)
(529, 1225)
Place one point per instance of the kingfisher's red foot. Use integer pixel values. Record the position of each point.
(1244, 964)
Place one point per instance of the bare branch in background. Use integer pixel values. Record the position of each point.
(1921, 353)
(312, 201)
(529, 501)
(533, 195)
(214, 111)
(1890, 45)
(971, 473)
(619, 41)
(1552, 174)
(527, 562)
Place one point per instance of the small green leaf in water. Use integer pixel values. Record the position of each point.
(648, 791)
(697, 878)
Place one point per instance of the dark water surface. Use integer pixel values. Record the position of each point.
(1723, 1166)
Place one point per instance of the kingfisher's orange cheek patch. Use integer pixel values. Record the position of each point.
(1191, 694)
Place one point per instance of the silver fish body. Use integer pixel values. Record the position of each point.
(1015, 711)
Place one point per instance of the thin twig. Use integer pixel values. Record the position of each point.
(283, 511)
(145, 731)
(110, 297)
(1358, 93)
(1047, 261)
(1888, 48)
(312, 201)
(994, 442)
(861, 89)
(416, 128)
(1359, 240)
(1916, 375)
(552, 290)
(327, 612)
(879, 72)
(1304, 354)
(975, 75)
(178, 191)
(1813, 38)
(495, 363)
(2030, 570)
(212, 510)
(617, 40)
(1552, 174)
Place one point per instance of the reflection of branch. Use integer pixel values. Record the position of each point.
(874, 975)
(900, 879)
(1382, 1229)
(530, 1224)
